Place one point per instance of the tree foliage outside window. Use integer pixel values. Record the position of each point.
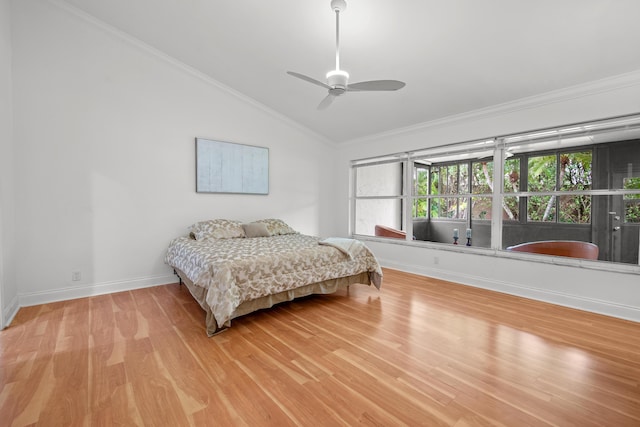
(569, 171)
(452, 180)
(541, 177)
(573, 173)
(463, 178)
(421, 180)
(631, 201)
(481, 207)
(481, 183)
(445, 181)
(482, 179)
(511, 184)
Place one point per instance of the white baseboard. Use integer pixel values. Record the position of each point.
(558, 298)
(572, 301)
(35, 298)
(10, 311)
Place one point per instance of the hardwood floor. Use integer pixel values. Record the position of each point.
(418, 352)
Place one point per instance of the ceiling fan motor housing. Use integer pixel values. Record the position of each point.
(338, 5)
(337, 79)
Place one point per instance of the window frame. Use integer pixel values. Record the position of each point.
(401, 159)
(500, 146)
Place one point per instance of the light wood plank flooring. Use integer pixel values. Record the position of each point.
(418, 352)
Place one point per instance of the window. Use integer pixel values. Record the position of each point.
(379, 200)
(576, 182)
(452, 191)
(548, 177)
(448, 181)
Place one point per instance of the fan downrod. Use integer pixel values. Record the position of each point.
(337, 82)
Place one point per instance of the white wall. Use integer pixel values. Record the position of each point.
(612, 293)
(104, 130)
(8, 288)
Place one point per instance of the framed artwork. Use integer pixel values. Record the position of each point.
(227, 167)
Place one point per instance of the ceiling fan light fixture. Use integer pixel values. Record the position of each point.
(337, 78)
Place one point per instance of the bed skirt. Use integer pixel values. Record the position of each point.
(325, 287)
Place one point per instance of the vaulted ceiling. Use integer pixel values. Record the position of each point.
(456, 56)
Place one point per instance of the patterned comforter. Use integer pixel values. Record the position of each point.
(244, 269)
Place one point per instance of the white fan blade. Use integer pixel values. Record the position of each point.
(309, 79)
(376, 85)
(326, 102)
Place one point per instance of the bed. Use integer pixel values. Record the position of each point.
(232, 269)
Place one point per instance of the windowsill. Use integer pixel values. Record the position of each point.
(542, 259)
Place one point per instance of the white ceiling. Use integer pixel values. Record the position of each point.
(456, 56)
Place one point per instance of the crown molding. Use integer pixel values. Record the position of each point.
(595, 87)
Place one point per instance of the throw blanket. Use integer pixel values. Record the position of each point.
(349, 247)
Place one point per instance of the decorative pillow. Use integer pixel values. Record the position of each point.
(217, 229)
(277, 226)
(256, 229)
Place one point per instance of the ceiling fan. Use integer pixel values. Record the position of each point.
(337, 80)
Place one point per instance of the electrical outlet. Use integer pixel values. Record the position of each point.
(76, 276)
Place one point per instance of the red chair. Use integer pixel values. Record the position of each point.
(566, 248)
(384, 231)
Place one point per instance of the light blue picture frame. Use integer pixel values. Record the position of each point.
(227, 167)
